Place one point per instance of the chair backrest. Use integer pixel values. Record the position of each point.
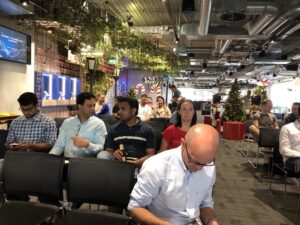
(109, 120)
(268, 137)
(100, 181)
(33, 173)
(59, 122)
(3, 136)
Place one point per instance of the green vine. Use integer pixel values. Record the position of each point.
(110, 36)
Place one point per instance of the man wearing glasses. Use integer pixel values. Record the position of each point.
(175, 186)
(33, 131)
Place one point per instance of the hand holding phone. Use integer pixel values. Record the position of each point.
(14, 144)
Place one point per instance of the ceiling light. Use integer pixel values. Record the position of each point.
(24, 2)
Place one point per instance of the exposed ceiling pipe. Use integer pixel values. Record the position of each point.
(290, 31)
(267, 12)
(205, 10)
(225, 46)
(282, 20)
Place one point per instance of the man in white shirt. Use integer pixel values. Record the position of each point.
(175, 186)
(82, 135)
(145, 111)
(289, 140)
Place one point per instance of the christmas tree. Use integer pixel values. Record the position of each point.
(234, 105)
(131, 93)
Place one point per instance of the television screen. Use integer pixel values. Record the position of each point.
(14, 46)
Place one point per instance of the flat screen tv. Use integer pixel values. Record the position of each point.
(15, 46)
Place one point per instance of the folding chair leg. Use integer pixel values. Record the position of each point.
(271, 176)
(285, 180)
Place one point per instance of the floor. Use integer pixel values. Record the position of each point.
(242, 196)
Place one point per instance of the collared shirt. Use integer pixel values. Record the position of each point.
(136, 139)
(289, 139)
(38, 129)
(167, 189)
(93, 130)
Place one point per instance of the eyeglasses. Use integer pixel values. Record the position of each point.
(197, 163)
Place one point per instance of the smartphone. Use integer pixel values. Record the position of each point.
(14, 144)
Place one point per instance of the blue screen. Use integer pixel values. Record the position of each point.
(14, 46)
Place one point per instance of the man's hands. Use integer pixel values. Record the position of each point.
(22, 146)
(118, 154)
(80, 142)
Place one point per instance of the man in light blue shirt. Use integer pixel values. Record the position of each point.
(82, 135)
(175, 186)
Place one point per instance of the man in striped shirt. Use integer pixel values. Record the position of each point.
(136, 137)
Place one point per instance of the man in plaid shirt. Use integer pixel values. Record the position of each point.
(33, 131)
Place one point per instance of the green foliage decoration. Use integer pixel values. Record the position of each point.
(234, 105)
(94, 24)
(131, 93)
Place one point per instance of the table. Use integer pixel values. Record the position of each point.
(7, 118)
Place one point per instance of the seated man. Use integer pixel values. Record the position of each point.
(145, 111)
(175, 187)
(294, 115)
(82, 135)
(101, 108)
(33, 131)
(137, 138)
(289, 142)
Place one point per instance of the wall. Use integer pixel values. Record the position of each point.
(15, 78)
(285, 93)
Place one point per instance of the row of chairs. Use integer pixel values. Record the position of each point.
(269, 138)
(89, 180)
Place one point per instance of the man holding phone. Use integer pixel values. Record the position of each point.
(33, 131)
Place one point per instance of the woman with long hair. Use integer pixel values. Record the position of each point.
(161, 110)
(186, 118)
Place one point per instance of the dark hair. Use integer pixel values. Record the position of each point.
(80, 99)
(172, 86)
(144, 95)
(160, 97)
(297, 103)
(194, 119)
(133, 103)
(28, 98)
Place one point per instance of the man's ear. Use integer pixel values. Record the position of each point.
(134, 110)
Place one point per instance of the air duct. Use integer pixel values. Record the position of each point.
(292, 13)
(267, 12)
(225, 46)
(205, 10)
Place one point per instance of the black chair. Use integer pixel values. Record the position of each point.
(158, 125)
(268, 137)
(278, 167)
(3, 136)
(98, 181)
(30, 173)
(247, 139)
(109, 120)
(59, 122)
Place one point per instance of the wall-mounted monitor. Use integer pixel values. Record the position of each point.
(15, 46)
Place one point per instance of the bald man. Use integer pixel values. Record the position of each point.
(175, 186)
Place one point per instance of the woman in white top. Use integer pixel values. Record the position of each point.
(161, 110)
